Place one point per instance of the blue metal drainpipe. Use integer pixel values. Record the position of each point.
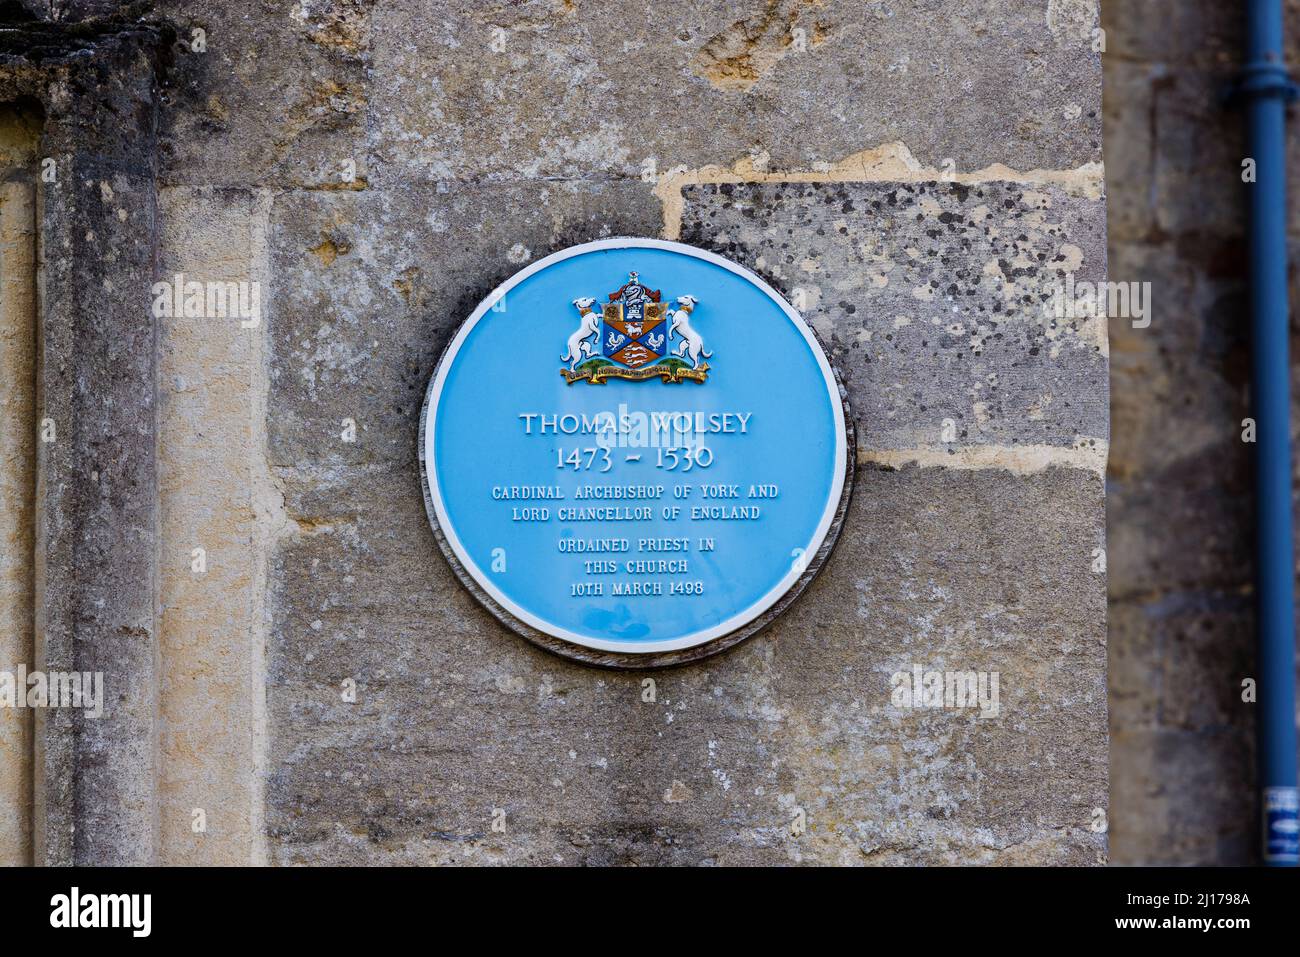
(1266, 88)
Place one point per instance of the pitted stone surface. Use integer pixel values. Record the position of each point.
(579, 87)
(935, 298)
(560, 88)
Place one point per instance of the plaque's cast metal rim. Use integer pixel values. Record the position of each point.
(658, 653)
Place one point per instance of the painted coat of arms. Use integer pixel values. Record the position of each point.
(635, 335)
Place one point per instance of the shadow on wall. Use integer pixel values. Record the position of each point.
(1179, 516)
(20, 124)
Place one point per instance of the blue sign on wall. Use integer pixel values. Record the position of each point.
(635, 452)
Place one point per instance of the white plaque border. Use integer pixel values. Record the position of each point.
(650, 654)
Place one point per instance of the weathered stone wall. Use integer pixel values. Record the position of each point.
(1180, 519)
(94, 585)
(913, 175)
(477, 163)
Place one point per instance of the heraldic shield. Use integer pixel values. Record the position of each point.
(633, 332)
(634, 338)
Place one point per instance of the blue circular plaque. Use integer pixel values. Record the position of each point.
(635, 453)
